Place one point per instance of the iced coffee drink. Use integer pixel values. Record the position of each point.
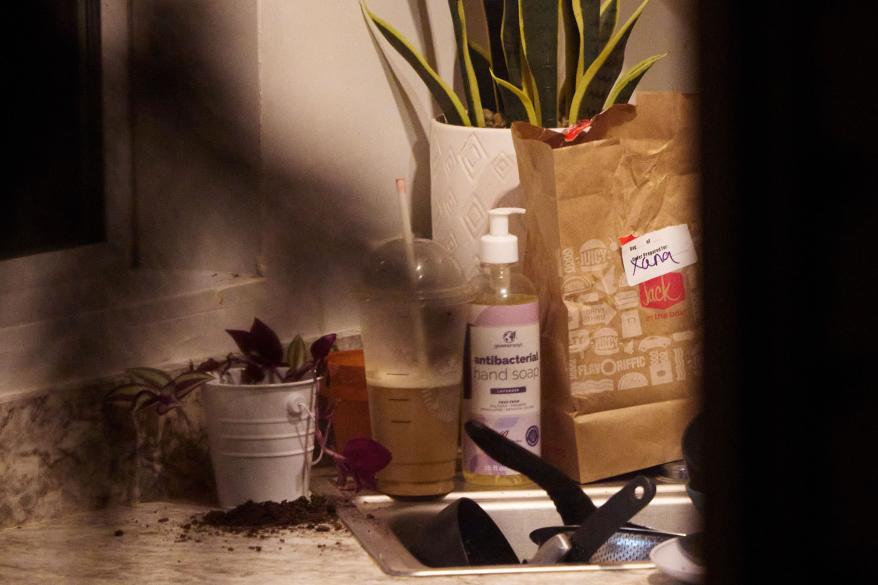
(419, 425)
(413, 336)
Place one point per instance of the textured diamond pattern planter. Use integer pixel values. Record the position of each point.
(472, 170)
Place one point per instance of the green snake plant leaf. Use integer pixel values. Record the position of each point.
(539, 34)
(595, 85)
(513, 95)
(529, 86)
(297, 353)
(151, 377)
(482, 66)
(587, 14)
(494, 20)
(571, 56)
(511, 34)
(609, 20)
(448, 101)
(621, 92)
(468, 74)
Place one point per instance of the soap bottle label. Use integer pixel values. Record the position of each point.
(504, 370)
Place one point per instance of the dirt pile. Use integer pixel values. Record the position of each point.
(262, 518)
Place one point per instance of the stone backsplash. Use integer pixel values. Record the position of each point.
(67, 451)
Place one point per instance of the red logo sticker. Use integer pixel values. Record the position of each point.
(662, 292)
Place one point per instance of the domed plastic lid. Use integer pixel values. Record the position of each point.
(435, 277)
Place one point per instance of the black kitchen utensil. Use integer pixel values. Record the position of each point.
(462, 535)
(601, 524)
(571, 502)
(631, 543)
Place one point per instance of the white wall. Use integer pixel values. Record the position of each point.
(336, 131)
(271, 131)
(195, 90)
(665, 26)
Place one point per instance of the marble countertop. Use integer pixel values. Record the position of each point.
(143, 544)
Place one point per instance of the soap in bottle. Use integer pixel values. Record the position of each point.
(502, 389)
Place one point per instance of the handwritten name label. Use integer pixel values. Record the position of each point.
(658, 253)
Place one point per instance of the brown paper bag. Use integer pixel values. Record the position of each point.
(620, 363)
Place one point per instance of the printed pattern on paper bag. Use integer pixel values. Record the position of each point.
(625, 337)
(631, 324)
(594, 255)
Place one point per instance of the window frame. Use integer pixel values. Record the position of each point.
(116, 252)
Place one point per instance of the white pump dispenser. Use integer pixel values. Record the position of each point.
(502, 386)
(498, 246)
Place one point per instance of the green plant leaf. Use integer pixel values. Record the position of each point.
(448, 101)
(511, 35)
(151, 377)
(468, 74)
(599, 78)
(297, 353)
(609, 20)
(189, 381)
(539, 34)
(513, 94)
(143, 399)
(494, 20)
(588, 23)
(607, 17)
(125, 393)
(528, 84)
(529, 87)
(627, 83)
(190, 377)
(565, 94)
(482, 66)
(571, 56)
(513, 106)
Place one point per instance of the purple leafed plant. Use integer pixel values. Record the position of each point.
(359, 461)
(262, 357)
(151, 387)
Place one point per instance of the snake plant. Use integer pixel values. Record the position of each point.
(518, 74)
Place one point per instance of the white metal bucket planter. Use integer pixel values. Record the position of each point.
(261, 439)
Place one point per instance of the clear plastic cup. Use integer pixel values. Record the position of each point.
(413, 307)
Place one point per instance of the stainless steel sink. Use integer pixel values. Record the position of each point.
(385, 527)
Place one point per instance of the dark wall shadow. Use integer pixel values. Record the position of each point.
(789, 217)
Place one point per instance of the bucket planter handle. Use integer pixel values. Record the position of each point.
(297, 407)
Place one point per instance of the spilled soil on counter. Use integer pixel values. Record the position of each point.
(263, 519)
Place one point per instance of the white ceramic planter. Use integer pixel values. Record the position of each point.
(472, 170)
(261, 438)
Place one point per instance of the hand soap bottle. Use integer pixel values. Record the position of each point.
(502, 385)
